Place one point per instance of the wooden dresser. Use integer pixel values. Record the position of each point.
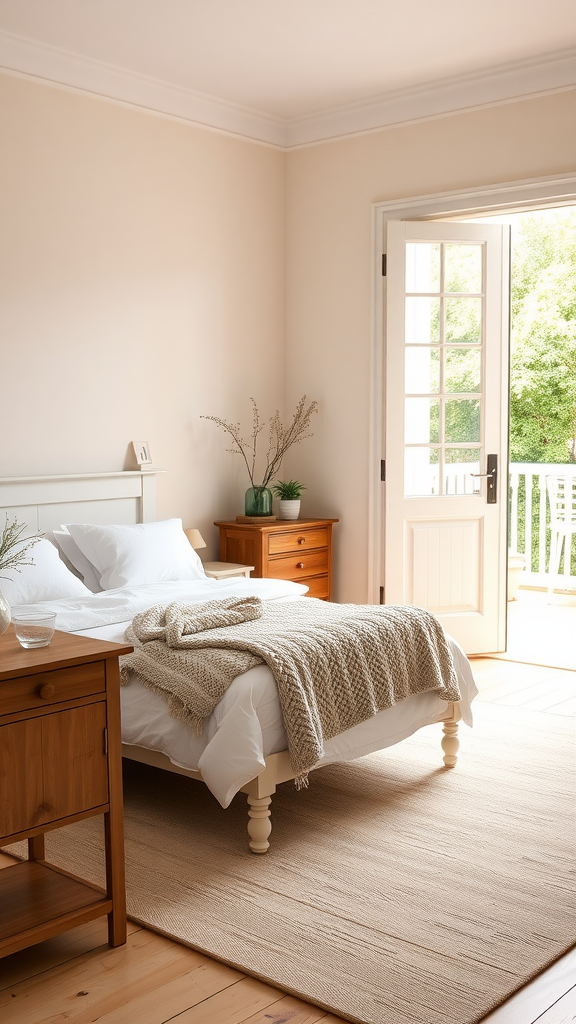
(299, 550)
(60, 761)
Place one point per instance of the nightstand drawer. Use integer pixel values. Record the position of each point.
(47, 688)
(301, 540)
(294, 566)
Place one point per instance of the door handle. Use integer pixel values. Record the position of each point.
(491, 476)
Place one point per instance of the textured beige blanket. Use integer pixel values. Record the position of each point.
(335, 665)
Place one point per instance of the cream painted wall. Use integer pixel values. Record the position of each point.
(329, 192)
(141, 285)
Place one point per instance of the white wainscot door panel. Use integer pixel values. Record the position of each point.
(444, 571)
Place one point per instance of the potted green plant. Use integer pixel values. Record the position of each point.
(289, 492)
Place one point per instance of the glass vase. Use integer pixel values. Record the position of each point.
(258, 501)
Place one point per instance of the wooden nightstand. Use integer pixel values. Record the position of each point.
(60, 761)
(298, 550)
(225, 570)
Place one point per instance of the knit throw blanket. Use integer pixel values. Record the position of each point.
(335, 665)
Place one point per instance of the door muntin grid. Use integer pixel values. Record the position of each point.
(444, 367)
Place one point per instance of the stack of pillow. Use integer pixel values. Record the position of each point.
(91, 558)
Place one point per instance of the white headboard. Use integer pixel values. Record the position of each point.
(45, 502)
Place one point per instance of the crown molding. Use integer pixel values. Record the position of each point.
(86, 75)
(504, 84)
(519, 80)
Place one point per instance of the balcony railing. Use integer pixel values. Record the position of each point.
(529, 523)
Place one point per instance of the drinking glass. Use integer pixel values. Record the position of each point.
(34, 630)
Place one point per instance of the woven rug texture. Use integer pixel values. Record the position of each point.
(394, 891)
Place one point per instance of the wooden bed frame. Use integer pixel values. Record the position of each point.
(278, 769)
(129, 497)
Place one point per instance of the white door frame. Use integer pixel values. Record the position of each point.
(509, 197)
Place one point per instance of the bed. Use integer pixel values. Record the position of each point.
(243, 747)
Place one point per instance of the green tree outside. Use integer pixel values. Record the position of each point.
(543, 350)
(543, 338)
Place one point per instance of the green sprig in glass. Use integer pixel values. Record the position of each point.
(13, 552)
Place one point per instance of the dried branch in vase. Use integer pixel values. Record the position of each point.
(281, 438)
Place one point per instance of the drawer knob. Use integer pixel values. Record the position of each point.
(301, 540)
(300, 565)
(46, 691)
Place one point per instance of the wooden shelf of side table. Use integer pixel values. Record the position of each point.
(60, 761)
(287, 549)
(226, 570)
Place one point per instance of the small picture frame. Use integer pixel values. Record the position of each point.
(142, 454)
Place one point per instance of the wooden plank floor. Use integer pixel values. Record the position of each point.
(77, 978)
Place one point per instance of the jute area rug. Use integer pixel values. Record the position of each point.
(394, 892)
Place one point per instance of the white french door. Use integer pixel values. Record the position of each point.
(446, 423)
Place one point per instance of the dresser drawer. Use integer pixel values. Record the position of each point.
(292, 567)
(318, 586)
(300, 540)
(47, 688)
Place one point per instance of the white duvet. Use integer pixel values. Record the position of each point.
(246, 725)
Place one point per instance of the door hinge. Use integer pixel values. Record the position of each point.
(383, 264)
(381, 595)
(383, 469)
(105, 741)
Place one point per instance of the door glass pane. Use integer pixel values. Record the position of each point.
(422, 267)
(422, 321)
(459, 464)
(462, 268)
(462, 419)
(462, 369)
(422, 370)
(443, 367)
(463, 321)
(421, 471)
(421, 421)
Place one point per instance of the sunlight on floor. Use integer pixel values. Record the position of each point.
(538, 671)
(542, 630)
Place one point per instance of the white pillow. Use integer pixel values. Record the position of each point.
(47, 579)
(125, 556)
(77, 560)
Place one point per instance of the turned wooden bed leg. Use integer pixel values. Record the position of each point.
(259, 824)
(450, 743)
